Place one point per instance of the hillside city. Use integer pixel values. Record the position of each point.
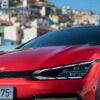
(23, 20)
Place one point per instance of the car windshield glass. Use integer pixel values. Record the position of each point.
(72, 36)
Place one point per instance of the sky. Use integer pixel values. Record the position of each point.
(93, 5)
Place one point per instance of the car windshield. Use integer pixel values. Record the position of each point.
(72, 36)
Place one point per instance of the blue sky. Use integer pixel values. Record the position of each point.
(79, 4)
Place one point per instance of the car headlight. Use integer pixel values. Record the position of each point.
(73, 71)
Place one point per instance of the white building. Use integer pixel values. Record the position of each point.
(5, 4)
(39, 27)
(96, 19)
(28, 34)
(13, 34)
(25, 3)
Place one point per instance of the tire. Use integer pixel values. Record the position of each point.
(98, 91)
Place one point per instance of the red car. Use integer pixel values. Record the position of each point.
(60, 65)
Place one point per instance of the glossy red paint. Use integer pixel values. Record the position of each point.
(39, 58)
(45, 57)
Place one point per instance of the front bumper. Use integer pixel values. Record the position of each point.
(80, 89)
(30, 89)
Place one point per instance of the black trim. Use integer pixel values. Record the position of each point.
(97, 60)
(41, 96)
(17, 74)
(14, 93)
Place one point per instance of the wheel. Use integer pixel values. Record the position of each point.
(98, 91)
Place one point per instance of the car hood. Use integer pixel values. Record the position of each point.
(44, 57)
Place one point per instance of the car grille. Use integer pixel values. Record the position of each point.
(57, 97)
(17, 74)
